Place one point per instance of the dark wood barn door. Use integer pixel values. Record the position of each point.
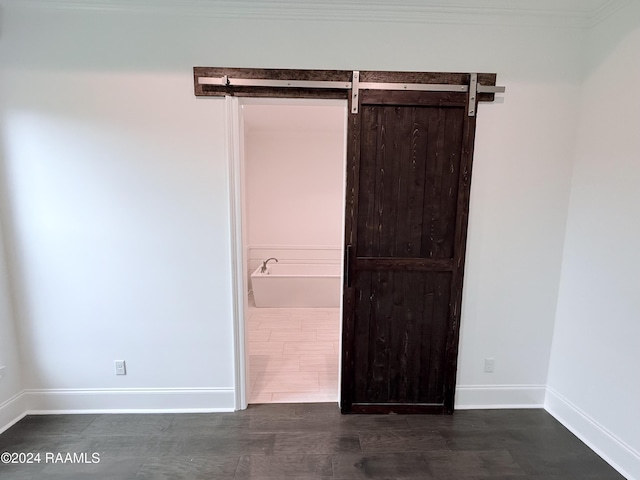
(408, 181)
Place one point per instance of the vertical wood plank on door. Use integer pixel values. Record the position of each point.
(417, 188)
(449, 195)
(366, 207)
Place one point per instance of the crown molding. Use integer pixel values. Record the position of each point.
(554, 13)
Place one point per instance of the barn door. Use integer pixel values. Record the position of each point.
(408, 181)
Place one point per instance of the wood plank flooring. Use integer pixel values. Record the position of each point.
(307, 442)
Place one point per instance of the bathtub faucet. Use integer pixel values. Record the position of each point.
(263, 269)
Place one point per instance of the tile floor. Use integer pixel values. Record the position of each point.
(293, 354)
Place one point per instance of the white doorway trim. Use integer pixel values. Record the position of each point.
(234, 147)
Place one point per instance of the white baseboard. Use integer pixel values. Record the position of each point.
(475, 397)
(12, 411)
(130, 400)
(612, 449)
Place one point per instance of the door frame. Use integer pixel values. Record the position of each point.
(234, 152)
(318, 84)
(234, 133)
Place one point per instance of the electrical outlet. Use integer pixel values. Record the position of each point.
(121, 367)
(489, 364)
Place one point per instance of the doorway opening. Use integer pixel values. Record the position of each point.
(293, 154)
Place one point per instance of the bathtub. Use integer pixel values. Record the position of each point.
(297, 285)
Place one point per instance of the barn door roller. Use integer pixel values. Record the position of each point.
(355, 85)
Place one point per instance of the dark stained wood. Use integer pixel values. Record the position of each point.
(306, 441)
(309, 465)
(408, 180)
(271, 74)
(401, 408)
(376, 372)
(394, 263)
(443, 99)
(275, 73)
(488, 79)
(425, 77)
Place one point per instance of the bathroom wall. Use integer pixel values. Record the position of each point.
(117, 205)
(294, 181)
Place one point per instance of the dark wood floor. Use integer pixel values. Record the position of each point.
(304, 442)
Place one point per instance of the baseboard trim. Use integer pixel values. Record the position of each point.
(612, 449)
(129, 400)
(12, 411)
(476, 397)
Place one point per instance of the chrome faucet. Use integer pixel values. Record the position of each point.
(263, 268)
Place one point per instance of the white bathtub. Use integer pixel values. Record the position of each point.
(297, 285)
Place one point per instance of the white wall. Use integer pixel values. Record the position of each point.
(118, 206)
(115, 253)
(593, 376)
(294, 180)
(11, 404)
(118, 225)
(518, 212)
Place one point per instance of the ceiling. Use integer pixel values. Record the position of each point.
(569, 13)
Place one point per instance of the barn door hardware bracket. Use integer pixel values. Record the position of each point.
(473, 94)
(355, 90)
